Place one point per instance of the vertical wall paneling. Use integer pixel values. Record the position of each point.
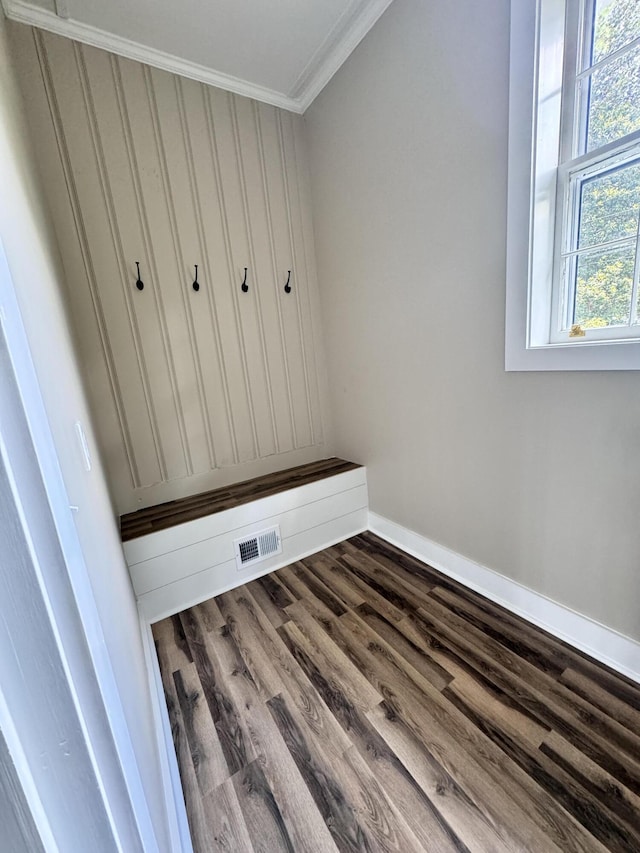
(191, 390)
(96, 235)
(274, 213)
(169, 369)
(100, 367)
(299, 195)
(145, 325)
(228, 146)
(193, 238)
(300, 378)
(116, 169)
(260, 230)
(219, 269)
(216, 103)
(241, 116)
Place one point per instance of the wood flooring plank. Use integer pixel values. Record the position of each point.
(604, 739)
(551, 777)
(603, 788)
(227, 827)
(511, 719)
(272, 597)
(468, 818)
(305, 827)
(180, 639)
(352, 573)
(419, 811)
(403, 569)
(559, 653)
(602, 699)
(207, 756)
(617, 685)
(353, 585)
(175, 654)
(416, 631)
(278, 668)
(209, 615)
(406, 639)
(412, 652)
(333, 578)
(515, 638)
(352, 804)
(240, 607)
(288, 581)
(394, 559)
(403, 593)
(234, 740)
(293, 577)
(477, 765)
(537, 704)
(379, 587)
(319, 589)
(305, 632)
(260, 811)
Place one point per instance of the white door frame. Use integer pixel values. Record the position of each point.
(79, 637)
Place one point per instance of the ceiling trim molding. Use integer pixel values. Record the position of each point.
(346, 35)
(34, 16)
(343, 39)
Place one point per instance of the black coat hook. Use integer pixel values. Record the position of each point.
(196, 284)
(139, 282)
(245, 286)
(287, 287)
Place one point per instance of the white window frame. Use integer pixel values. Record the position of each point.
(535, 179)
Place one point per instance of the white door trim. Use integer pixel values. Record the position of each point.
(102, 672)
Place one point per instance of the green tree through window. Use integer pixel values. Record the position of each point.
(610, 202)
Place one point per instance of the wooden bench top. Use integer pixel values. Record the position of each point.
(154, 518)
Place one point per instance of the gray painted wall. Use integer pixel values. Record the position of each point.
(536, 476)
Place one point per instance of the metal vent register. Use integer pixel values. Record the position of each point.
(254, 549)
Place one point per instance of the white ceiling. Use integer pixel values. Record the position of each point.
(279, 51)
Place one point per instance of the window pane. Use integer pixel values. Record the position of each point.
(604, 282)
(610, 205)
(616, 23)
(614, 100)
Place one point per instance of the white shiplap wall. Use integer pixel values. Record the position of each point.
(190, 390)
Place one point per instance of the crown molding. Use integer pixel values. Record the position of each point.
(343, 39)
(345, 36)
(34, 16)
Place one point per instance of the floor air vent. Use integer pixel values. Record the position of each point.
(254, 549)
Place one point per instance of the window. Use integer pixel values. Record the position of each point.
(573, 263)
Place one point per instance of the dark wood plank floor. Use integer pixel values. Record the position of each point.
(153, 518)
(360, 701)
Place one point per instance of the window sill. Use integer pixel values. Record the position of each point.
(593, 355)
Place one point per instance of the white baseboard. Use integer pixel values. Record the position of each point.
(604, 644)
